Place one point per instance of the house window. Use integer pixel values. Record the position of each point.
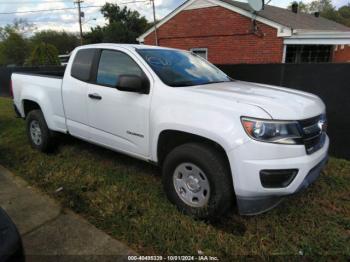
(202, 52)
(309, 54)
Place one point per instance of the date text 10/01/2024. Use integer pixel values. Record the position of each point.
(173, 258)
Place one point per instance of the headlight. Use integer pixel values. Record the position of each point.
(281, 132)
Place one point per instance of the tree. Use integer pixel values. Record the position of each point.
(344, 12)
(23, 27)
(314, 6)
(63, 41)
(321, 6)
(94, 36)
(124, 26)
(13, 47)
(44, 54)
(326, 10)
(303, 8)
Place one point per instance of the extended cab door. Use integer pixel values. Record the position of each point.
(119, 119)
(75, 92)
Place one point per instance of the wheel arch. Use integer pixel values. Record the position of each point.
(29, 105)
(51, 110)
(170, 139)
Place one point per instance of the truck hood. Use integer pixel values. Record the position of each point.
(279, 103)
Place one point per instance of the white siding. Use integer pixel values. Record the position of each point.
(200, 4)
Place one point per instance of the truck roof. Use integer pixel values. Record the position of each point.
(127, 46)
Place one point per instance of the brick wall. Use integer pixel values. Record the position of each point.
(342, 55)
(226, 34)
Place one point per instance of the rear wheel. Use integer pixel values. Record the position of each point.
(197, 180)
(39, 135)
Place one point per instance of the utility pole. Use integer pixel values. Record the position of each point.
(78, 2)
(155, 22)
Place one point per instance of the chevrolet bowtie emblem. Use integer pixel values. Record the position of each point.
(322, 125)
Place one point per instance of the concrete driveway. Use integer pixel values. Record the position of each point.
(50, 232)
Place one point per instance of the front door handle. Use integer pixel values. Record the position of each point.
(95, 96)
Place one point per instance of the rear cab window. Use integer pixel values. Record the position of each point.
(82, 64)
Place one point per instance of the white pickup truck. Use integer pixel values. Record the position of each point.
(218, 140)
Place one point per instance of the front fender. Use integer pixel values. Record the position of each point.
(220, 127)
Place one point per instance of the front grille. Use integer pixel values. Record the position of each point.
(313, 133)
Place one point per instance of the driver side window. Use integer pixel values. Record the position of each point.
(112, 65)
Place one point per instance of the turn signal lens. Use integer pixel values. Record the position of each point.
(248, 126)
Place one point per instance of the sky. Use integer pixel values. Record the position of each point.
(68, 19)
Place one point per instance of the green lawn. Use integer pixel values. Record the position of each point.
(124, 197)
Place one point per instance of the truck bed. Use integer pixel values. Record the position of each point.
(54, 74)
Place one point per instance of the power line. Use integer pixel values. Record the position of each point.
(80, 13)
(66, 8)
(36, 2)
(47, 10)
(59, 1)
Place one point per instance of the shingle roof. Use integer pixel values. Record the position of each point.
(289, 19)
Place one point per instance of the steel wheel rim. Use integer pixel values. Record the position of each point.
(191, 185)
(35, 132)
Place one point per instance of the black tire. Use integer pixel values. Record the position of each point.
(212, 163)
(46, 141)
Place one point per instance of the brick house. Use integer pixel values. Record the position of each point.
(229, 32)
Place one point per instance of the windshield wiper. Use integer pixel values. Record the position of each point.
(217, 82)
(183, 83)
(191, 83)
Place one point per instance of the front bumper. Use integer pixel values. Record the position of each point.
(258, 205)
(249, 159)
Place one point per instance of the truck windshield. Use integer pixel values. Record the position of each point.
(181, 68)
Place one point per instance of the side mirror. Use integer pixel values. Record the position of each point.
(133, 83)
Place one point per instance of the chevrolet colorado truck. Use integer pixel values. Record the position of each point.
(218, 141)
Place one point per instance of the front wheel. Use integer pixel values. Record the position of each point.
(39, 135)
(196, 179)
